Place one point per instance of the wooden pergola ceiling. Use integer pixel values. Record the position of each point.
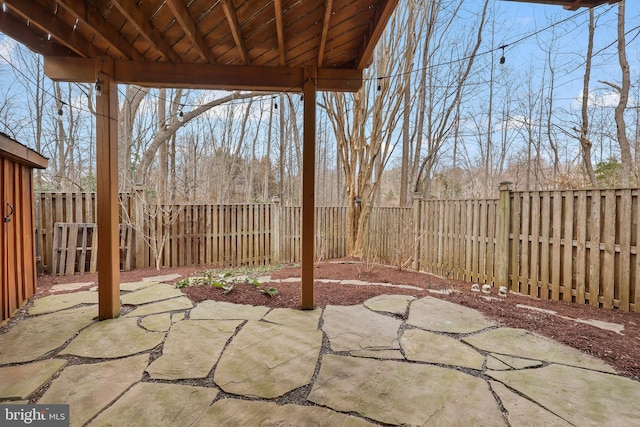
(222, 44)
(570, 4)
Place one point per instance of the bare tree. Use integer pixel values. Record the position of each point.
(585, 141)
(628, 173)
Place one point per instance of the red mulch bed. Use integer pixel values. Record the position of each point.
(621, 351)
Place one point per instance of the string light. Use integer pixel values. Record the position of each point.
(502, 58)
(181, 114)
(60, 111)
(379, 84)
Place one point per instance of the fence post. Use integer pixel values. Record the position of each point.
(416, 230)
(275, 229)
(502, 235)
(138, 225)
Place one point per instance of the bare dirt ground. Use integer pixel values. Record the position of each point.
(621, 350)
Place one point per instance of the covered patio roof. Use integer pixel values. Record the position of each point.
(281, 45)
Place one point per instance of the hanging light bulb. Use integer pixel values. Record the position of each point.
(502, 58)
(379, 84)
(275, 105)
(181, 114)
(60, 111)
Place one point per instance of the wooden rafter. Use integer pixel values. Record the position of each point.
(138, 18)
(17, 29)
(277, 5)
(234, 25)
(328, 6)
(378, 24)
(47, 22)
(185, 20)
(88, 16)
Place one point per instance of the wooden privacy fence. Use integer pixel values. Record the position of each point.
(179, 235)
(581, 246)
(578, 246)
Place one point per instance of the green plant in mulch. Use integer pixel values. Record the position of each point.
(271, 292)
(229, 279)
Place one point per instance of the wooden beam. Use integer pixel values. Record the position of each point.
(65, 69)
(185, 20)
(50, 24)
(328, 6)
(33, 38)
(107, 32)
(203, 76)
(277, 5)
(383, 12)
(140, 21)
(308, 188)
(570, 4)
(107, 193)
(234, 25)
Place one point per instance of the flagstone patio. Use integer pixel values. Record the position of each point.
(394, 360)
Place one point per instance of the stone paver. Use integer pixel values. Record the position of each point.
(517, 362)
(151, 294)
(136, 286)
(307, 319)
(155, 404)
(157, 322)
(402, 393)
(437, 315)
(496, 365)
(35, 336)
(518, 342)
(215, 310)
(53, 303)
(89, 388)
(378, 354)
(395, 304)
(423, 346)
(192, 348)
(181, 303)
(64, 287)
(523, 412)
(113, 338)
(20, 382)
(580, 396)
(358, 328)
(268, 360)
(162, 278)
(236, 412)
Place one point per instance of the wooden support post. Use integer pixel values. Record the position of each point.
(417, 228)
(308, 184)
(275, 229)
(138, 224)
(107, 192)
(502, 235)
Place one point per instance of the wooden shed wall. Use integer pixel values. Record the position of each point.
(17, 251)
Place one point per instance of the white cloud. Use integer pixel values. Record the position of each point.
(608, 98)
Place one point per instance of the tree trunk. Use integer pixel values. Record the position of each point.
(585, 142)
